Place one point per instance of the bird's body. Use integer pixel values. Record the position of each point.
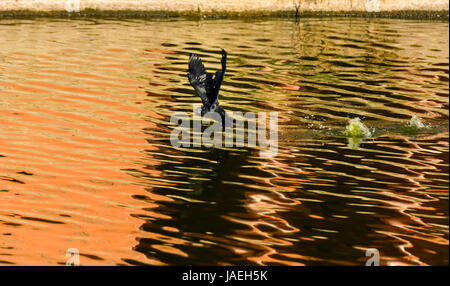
(206, 86)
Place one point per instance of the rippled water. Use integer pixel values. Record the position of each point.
(86, 161)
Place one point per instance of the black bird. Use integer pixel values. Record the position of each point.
(206, 86)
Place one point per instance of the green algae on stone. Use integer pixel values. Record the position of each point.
(196, 14)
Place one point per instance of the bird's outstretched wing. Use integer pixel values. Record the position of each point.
(202, 81)
(220, 74)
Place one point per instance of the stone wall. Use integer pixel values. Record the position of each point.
(227, 6)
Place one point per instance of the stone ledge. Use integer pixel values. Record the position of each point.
(229, 6)
(418, 9)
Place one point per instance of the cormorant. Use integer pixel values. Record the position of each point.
(206, 86)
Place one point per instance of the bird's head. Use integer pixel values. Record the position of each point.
(214, 107)
(224, 57)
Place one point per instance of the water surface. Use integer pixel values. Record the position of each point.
(86, 161)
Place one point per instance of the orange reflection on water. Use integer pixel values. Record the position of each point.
(65, 148)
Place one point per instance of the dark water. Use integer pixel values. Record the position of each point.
(86, 161)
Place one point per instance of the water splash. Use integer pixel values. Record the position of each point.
(356, 129)
(416, 123)
(414, 126)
